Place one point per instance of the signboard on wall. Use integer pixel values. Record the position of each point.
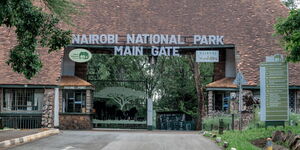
(157, 43)
(207, 56)
(80, 55)
(274, 89)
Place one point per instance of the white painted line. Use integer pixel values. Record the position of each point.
(68, 147)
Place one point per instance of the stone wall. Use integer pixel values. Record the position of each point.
(75, 121)
(89, 104)
(48, 109)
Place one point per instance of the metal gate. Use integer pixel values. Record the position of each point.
(21, 120)
(120, 104)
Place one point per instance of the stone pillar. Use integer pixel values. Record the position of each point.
(89, 103)
(210, 103)
(48, 109)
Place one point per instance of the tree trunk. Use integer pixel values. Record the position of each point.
(200, 96)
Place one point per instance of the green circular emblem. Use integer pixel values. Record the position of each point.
(80, 55)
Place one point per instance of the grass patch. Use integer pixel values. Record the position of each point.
(214, 121)
(242, 139)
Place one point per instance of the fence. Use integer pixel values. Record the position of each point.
(21, 121)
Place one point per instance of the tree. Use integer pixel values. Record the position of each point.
(34, 27)
(288, 29)
(170, 80)
(120, 95)
(290, 4)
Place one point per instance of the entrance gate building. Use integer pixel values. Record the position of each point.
(61, 94)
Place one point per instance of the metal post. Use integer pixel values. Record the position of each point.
(221, 126)
(232, 121)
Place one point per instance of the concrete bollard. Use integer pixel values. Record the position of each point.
(269, 144)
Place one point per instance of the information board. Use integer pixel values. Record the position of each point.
(207, 56)
(274, 91)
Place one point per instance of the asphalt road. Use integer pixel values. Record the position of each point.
(121, 140)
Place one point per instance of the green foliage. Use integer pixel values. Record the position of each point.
(295, 118)
(170, 80)
(120, 95)
(256, 123)
(289, 31)
(290, 4)
(33, 28)
(63, 9)
(207, 122)
(242, 139)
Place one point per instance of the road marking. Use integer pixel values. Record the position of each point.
(68, 147)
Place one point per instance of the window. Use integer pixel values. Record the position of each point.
(74, 101)
(23, 99)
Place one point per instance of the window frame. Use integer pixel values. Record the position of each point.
(19, 99)
(67, 95)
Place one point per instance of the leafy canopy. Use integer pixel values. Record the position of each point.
(290, 4)
(289, 31)
(170, 80)
(33, 28)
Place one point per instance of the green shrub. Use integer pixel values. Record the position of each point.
(208, 121)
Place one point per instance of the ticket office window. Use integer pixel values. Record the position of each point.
(74, 101)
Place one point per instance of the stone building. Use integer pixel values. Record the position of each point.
(60, 96)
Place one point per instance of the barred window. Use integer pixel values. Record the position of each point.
(23, 99)
(74, 101)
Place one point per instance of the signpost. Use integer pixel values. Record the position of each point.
(239, 81)
(274, 90)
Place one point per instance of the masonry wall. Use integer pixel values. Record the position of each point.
(48, 109)
(75, 121)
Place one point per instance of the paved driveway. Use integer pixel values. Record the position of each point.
(121, 140)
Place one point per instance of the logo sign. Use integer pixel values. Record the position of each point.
(80, 55)
(274, 89)
(207, 56)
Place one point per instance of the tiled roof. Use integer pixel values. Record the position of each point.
(246, 23)
(223, 83)
(73, 81)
